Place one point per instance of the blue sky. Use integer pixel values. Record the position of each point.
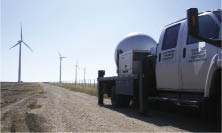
(86, 31)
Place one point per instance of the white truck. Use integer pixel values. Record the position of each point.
(184, 67)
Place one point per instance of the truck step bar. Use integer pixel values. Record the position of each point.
(176, 101)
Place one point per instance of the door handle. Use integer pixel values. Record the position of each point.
(184, 52)
(159, 57)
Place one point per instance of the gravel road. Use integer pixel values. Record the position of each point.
(65, 110)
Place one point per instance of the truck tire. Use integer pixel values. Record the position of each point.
(118, 100)
(218, 101)
(115, 99)
(219, 114)
(125, 100)
(206, 109)
(211, 107)
(216, 96)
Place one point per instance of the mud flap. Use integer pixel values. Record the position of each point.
(101, 74)
(100, 94)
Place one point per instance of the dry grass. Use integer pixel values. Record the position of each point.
(3, 101)
(18, 118)
(13, 91)
(73, 87)
(37, 90)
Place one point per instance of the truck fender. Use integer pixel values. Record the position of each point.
(214, 65)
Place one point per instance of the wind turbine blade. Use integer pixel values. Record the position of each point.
(59, 54)
(21, 32)
(64, 57)
(14, 45)
(28, 46)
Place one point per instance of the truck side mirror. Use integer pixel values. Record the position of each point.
(193, 27)
(193, 22)
(101, 73)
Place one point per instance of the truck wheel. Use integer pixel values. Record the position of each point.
(125, 100)
(219, 113)
(206, 109)
(119, 100)
(211, 107)
(218, 101)
(115, 99)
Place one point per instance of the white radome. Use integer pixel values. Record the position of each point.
(135, 41)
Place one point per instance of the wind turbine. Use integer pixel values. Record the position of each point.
(84, 75)
(60, 72)
(20, 42)
(76, 71)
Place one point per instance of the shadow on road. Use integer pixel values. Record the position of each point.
(167, 114)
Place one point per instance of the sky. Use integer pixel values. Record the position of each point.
(85, 31)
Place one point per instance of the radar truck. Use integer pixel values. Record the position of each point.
(184, 67)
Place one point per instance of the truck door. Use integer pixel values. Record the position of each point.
(196, 56)
(167, 66)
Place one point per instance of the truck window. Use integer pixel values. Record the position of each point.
(207, 28)
(170, 37)
(218, 14)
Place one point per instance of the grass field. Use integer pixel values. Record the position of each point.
(16, 101)
(13, 91)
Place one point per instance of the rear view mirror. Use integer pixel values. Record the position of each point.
(193, 28)
(101, 73)
(192, 21)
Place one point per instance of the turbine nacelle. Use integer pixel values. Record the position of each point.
(20, 43)
(60, 56)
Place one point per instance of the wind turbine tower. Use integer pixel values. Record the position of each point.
(60, 66)
(76, 71)
(20, 42)
(84, 75)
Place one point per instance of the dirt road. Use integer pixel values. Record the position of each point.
(72, 111)
(59, 109)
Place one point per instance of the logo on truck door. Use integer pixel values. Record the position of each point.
(198, 54)
(168, 55)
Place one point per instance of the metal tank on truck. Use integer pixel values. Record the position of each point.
(135, 41)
